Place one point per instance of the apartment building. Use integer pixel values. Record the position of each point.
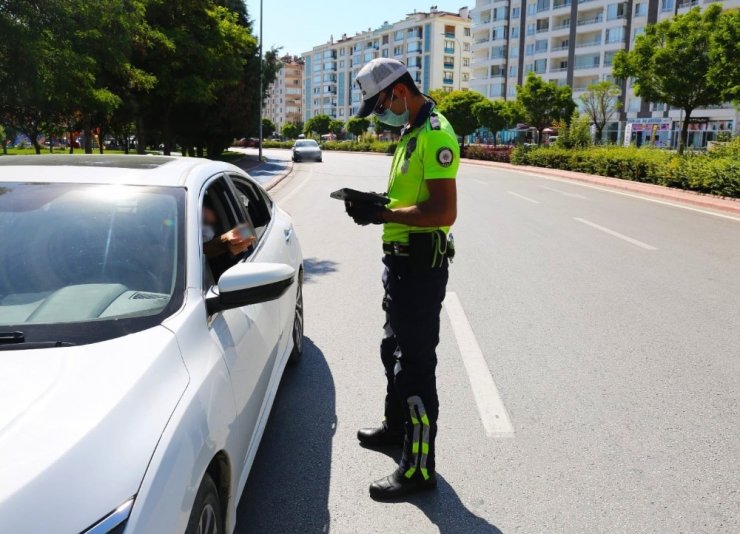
(573, 42)
(435, 46)
(284, 98)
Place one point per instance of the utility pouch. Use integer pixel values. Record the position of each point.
(450, 247)
(427, 249)
(421, 249)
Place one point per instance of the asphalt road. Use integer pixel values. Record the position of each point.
(610, 325)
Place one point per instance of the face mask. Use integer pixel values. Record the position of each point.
(394, 119)
(208, 233)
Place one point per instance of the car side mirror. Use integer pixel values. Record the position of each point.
(250, 283)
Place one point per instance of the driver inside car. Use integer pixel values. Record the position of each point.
(232, 241)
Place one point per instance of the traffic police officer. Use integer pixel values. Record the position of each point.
(417, 249)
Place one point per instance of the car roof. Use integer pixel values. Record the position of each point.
(167, 171)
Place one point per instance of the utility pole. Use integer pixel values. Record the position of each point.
(261, 95)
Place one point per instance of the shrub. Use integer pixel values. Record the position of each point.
(716, 172)
(488, 153)
(277, 144)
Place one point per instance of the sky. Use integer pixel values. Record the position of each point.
(299, 25)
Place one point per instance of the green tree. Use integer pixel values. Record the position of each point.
(268, 128)
(290, 130)
(576, 133)
(600, 103)
(687, 62)
(318, 125)
(439, 95)
(3, 140)
(357, 126)
(491, 115)
(543, 103)
(458, 109)
(336, 127)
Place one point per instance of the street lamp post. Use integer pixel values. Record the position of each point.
(261, 95)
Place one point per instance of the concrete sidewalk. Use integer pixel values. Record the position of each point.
(267, 173)
(678, 195)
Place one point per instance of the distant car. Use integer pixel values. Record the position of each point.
(138, 365)
(306, 149)
(552, 139)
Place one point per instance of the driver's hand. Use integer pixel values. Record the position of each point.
(235, 242)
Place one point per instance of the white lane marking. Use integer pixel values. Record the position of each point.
(480, 181)
(564, 193)
(524, 198)
(616, 234)
(631, 195)
(297, 188)
(491, 408)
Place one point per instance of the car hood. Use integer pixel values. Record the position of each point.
(78, 426)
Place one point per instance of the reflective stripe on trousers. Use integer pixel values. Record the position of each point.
(420, 422)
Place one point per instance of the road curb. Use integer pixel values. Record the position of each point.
(279, 178)
(660, 191)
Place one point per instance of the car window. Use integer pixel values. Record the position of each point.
(306, 143)
(257, 205)
(219, 215)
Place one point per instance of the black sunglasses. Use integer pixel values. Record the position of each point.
(379, 108)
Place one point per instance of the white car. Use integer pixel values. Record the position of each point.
(133, 390)
(306, 149)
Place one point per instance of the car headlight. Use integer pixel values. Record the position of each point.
(114, 522)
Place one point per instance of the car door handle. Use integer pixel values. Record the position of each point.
(288, 233)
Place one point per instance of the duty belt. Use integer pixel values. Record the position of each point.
(396, 249)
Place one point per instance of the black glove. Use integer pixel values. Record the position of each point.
(363, 213)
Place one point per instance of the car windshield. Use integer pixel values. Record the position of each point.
(76, 254)
(306, 143)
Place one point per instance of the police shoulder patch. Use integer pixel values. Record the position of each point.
(445, 156)
(434, 122)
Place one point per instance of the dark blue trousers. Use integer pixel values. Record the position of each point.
(412, 302)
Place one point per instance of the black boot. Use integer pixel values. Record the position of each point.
(379, 437)
(396, 486)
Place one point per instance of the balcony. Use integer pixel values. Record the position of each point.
(586, 66)
(594, 20)
(449, 35)
(447, 81)
(586, 44)
(558, 69)
(481, 40)
(449, 50)
(559, 48)
(562, 4)
(682, 4)
(543, 29)
(562, 26)
(449, 66)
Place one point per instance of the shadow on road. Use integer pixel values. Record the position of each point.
(314, 267)
(445, 509)
(288, 488)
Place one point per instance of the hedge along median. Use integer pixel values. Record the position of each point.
(715, 172)
(382, 147)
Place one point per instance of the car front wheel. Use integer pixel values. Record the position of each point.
(206, 516)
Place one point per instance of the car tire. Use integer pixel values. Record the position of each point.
(297, 334)
(206, 516)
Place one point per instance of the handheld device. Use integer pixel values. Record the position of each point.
(353, 195)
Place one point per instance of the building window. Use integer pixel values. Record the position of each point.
(531, 29)
(616, 11)
(398, 51)
(540, 66)
(385, 52)
(513, 71)
(615, 35)
(638, 31)
(341, 64)
(516, 12)
(467, 32)
(641, 9)
(529, 50)
(515, 32)
(448, 77)
(512, 90)
(540, 46)
(529, 67)
(609, 58)
(465, 77)
(543, 5)
(398, 36)
(667, 5)
(466, 62)
(531, 9)
(514, 50)
(449, 47)
(385, 39)
(498, 52)
(466, 47)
